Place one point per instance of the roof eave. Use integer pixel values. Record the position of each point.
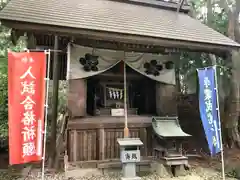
(124, 38)
(158, 4)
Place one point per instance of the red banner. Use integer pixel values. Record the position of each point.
(26, 98)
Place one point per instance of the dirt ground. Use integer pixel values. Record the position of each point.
(196, 174)
(204, 168)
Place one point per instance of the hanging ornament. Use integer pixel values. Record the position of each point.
(88, 56)
(94, 68)
(87, 68)
(153, 68)
(146, 65)
(115, 93)
(89, 62)
(153, 62)
(82, 61)
(159, 67)
(156, 73)
(169, 65)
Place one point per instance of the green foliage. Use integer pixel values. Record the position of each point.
(3, 100)
(5, 44)
(62, 96)
(190, 61)
(5, 38)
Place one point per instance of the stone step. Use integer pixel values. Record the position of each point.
(118, 164)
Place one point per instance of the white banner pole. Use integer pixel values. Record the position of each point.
(220, 128)
(126, 130)
(46, 112)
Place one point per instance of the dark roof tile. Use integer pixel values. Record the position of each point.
(113, 16)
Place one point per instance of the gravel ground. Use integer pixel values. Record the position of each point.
(195, 174)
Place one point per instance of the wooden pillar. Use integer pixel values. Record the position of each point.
(54, 101)
(177, 73)
(177, 79)
(75, 147)
(143, 137)
(31, 41)
(101, 144)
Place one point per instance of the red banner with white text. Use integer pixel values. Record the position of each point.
(26, 98)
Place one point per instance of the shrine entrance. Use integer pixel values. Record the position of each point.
(106, 91)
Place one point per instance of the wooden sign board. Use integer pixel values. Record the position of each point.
(117, 112)
(130, 156)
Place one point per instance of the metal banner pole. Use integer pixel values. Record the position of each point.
(126, 130)
(46, 113)
(220, 128)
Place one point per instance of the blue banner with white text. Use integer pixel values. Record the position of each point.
(208, 108)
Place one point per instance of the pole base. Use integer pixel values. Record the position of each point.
(126, 132)
(131, 178)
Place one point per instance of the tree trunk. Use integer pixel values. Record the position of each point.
(232, 103)
(55, 104)
(230, 121)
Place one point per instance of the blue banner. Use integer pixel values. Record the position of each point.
(208, 108)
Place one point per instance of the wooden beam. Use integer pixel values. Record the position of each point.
(119, 37)
(85, 126)
(54, 102)
(113, 45)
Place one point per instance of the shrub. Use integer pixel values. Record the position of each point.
(3, 105)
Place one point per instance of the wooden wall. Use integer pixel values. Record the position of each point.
(101, 143)
(166, 100)
(77, 96)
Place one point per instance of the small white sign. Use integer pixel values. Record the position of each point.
(130, 156)
(117, 112)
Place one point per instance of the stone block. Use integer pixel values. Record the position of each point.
(161, 170)
(180, 170)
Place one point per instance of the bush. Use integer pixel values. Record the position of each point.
(3, 105)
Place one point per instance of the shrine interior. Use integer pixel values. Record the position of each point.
(106, 91)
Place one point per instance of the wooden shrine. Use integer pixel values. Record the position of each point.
(168, 139)
(134, 30)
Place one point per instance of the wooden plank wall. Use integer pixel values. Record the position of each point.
(166, 100)
(101, 144)
(77, 96)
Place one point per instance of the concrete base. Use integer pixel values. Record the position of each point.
(161, 170)
(133, 178)
(180, 171)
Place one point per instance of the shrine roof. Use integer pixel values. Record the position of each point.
(167, 127)
(116, 17)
